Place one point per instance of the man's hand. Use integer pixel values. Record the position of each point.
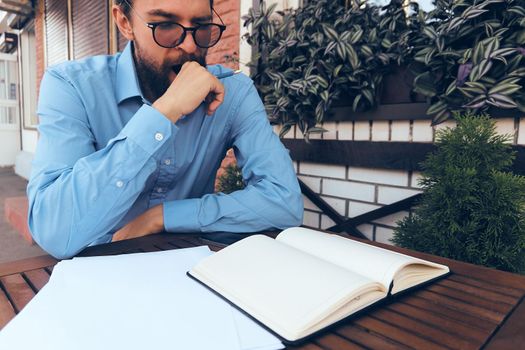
(150, 222)
(193, 85)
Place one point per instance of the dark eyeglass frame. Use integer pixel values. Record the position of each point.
(153, 26)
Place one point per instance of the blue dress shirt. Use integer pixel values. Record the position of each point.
(105, 156)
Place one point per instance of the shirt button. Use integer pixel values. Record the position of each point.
(119, 184)
(167, 161)
(159, 136)
(160, 190)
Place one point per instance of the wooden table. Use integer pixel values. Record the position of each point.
(473, 308)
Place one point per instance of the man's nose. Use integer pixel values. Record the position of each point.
(188, 44)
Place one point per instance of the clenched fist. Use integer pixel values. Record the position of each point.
(193, 85)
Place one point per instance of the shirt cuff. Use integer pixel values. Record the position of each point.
(182, 215)
(149, 129)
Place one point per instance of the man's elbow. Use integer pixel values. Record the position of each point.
(50, 241)
(298, 210)
(294, 209)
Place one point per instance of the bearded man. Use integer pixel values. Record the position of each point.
(130, 143)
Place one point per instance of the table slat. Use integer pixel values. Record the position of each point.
(424, 330)
(38, 278)
(334, 342)
(462, 306)
(479, 292)
(397, 334)
(448, 325)
(500, 289)
(19, 266)
(7, 311)
(471, 299)
(370, 340)
(305, 347)
(18, 290)
(447, 312)
(512, 333)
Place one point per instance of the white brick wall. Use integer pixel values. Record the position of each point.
(337, 203)
(367, 230)
(389, 177)
(521, 131)
(326, 222)
(316, 136)
(309, 205)
(442, 126)
(360, 191)
(416, 177)
(384, 234)
(311, 219)
(291, 133)
(353, 191)
(389, 195)
(345, 130)
(323, 170)
(362, 130)
(506, 126)
(349, 189)
(391, 220)
(400, 130)
(331, 131)
(358, 208)
(422, 131)
(380, 130)
(313, 182)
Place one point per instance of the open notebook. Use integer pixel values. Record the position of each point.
(304, 280)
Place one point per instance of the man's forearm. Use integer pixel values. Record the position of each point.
(71, 207)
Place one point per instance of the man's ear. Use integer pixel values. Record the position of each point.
(123, 23)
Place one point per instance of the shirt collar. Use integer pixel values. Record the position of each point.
(127, 83)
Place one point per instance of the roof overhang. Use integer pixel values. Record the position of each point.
(22, 8)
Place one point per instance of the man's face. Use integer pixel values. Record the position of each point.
(157, 66)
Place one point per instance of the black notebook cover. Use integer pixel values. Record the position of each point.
(386, 300)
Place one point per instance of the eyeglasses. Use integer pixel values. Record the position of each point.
(172, 34)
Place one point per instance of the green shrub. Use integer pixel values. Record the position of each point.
(230, 180)
(472, 207)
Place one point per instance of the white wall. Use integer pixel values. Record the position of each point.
(353, 191)
(9, 146)
(245, 50)
(24, 158)
(29, 140)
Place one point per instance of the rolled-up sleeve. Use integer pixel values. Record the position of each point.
(272, 196)
(77, 193)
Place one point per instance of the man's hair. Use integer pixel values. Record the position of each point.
(126, 9)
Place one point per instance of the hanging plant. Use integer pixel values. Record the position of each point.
(471, 57)
(323, 53)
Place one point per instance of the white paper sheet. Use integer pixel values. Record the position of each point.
(133, 301)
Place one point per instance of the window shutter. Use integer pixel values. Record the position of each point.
(56, 31)
(90, 28)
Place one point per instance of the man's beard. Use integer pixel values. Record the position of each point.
(154, 80)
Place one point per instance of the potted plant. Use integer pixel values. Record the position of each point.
(473, 207)
(470, 56)
(325, 53)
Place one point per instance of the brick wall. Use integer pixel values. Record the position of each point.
(353, 191)
(229, 10)
(39, 39)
